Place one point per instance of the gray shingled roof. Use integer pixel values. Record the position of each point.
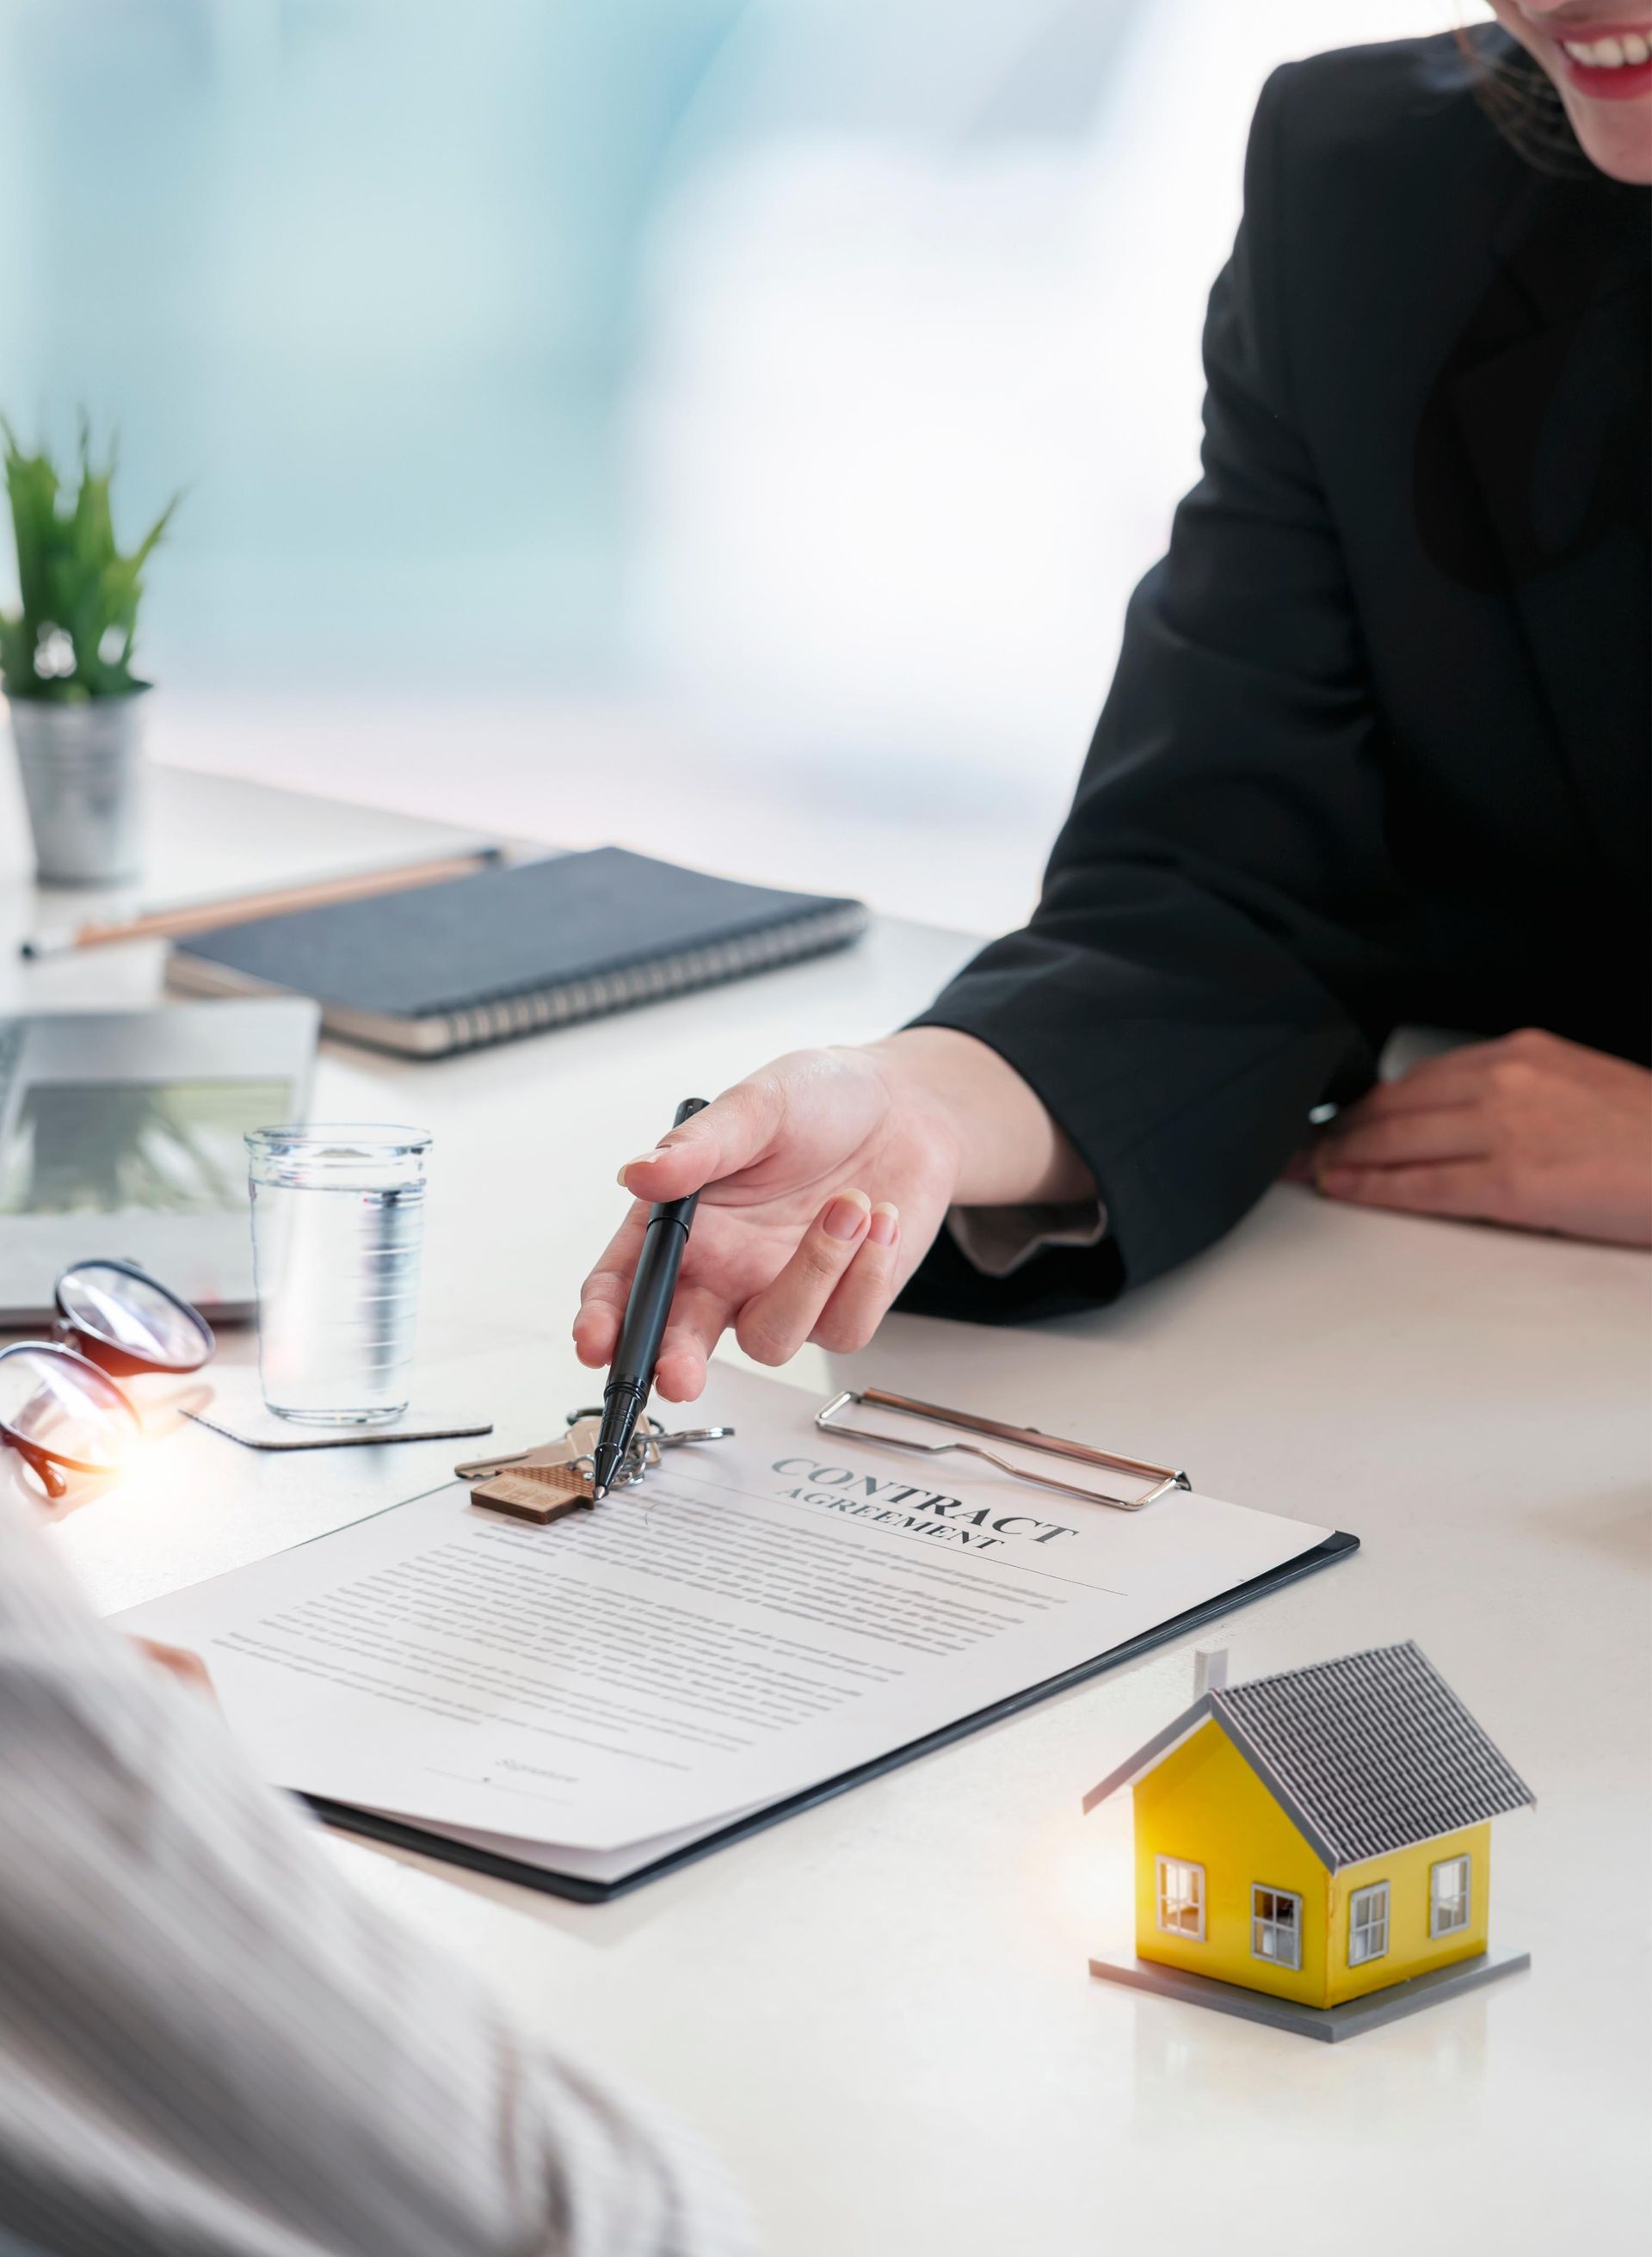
(1367, 1754)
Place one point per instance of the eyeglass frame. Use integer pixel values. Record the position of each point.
(44, 1463)
(103, 1368)
(119, 1363)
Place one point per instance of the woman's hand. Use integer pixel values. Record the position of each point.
(178, 1661)
(823, 1180)
(1529, 1130)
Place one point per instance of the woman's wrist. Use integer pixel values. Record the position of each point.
(1009, 1150)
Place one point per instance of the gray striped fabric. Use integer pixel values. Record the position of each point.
(211, 2046)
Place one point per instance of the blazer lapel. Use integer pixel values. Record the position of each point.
(1553, 423)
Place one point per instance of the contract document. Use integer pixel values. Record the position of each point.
(758, 1619)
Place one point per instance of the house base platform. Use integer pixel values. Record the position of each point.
(1329, 2023)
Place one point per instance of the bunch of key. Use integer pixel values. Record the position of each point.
(553, 1479)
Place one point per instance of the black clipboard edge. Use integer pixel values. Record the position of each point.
(346, 1819)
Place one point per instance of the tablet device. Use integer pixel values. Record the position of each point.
(121, 1134)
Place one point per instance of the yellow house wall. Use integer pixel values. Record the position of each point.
(1411, 1950)
(1206, 1804)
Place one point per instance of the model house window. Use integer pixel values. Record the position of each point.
(1276, 1927)
(1182, 1898)
(1448, 1896)
(1368, 1923)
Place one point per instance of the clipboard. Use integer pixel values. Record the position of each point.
(963, 1431)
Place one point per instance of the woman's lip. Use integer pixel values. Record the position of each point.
(1624, 83)
(1584, 35)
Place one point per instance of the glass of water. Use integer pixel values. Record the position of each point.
(338, 1217)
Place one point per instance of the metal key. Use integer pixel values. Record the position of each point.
(540, 1484)
(559, 1452)
(553, 1478)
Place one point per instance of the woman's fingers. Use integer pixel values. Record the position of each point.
(602, 1297)
(858, 1304)
(1471, 1189)
(698, 1316)
(1387, 1140)
(774, 1324)
(727, 1135)
(1459, 1076)
(180, 1662)
(697, 1322)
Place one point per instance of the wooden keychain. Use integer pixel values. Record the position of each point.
(555, 1478)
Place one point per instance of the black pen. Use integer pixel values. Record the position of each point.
(631, 1373)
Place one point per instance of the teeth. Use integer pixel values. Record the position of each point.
(1609, 54)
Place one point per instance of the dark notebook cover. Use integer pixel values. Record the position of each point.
(532, 929)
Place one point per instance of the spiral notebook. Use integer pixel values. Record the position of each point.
(510, 951)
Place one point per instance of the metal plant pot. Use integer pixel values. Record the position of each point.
(81, 768)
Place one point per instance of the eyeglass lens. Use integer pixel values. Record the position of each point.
(53, 1403)
(133, 1314)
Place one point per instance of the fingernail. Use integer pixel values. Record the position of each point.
(846, 1216)
(885, 1226)
(642, 1160)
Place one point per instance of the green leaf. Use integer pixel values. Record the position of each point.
(77, 586)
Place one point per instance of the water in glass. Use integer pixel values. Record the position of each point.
(338, 1223)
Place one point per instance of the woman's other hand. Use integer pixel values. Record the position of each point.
(823, 1178)
(178, 1661)
(1529, 1130)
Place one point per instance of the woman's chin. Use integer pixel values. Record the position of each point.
(1615, 137)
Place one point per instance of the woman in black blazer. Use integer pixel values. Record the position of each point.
(1377, 752)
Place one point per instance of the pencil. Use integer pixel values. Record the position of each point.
(185, 917)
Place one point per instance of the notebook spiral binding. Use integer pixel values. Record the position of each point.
(622, 989)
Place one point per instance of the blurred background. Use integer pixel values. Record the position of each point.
(727, 426)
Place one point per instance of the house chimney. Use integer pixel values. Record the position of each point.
(1210, 1669)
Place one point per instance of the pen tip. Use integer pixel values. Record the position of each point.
(599, 1490)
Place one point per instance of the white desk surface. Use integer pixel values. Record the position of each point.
(879, 2011)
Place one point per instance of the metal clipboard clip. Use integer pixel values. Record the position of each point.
(1161, 1478)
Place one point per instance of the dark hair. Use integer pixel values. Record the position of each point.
(1522, 101)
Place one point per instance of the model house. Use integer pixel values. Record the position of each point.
(1316, 1836)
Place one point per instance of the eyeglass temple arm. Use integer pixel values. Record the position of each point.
(39, 1464)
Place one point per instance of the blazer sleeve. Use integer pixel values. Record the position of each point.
(1219, 927)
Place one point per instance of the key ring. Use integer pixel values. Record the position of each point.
(649, 1438)
(643, 1454)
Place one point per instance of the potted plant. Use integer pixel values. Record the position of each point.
(66, 665)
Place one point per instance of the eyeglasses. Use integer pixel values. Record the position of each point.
(60, 1409)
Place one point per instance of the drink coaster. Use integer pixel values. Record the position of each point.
(237, 1411)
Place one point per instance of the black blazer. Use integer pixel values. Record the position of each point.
(1377, 749)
